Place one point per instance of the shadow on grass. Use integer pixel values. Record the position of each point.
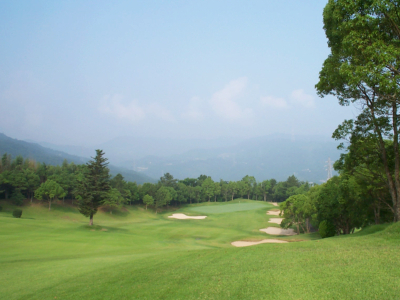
(102, 228)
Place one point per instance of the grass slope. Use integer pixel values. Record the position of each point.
(136, 254)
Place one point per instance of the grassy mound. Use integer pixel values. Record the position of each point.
(136, 254)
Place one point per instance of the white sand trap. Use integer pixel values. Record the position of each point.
(274, 203)
(184, 217)
(245, 244)
(278, 231)
(273, 212)
(275, 220)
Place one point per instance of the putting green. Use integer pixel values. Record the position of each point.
(227, 208)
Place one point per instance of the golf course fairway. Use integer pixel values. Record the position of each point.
(136, 254)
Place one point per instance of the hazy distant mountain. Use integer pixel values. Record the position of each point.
(126, 148)
(16, 147)
(267, 157)
(274, 156)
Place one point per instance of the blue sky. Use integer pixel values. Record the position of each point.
(84, 72)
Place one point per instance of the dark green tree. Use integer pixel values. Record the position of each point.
(94, 186)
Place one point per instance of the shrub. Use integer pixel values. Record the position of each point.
(326, 229)
(17, 213)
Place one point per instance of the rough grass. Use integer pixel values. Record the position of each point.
(136, 254)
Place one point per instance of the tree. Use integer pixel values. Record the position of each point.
(168, 180)
(339, 202)
(93, 187)
(233, 188)
(32, 182)
(297, 210)
(113, 199)
(264, 188)
(247, 187)
(224, 189)
(49, 190)
(148, 200)
(163, 197)
(217, 190)
(134, 192)
(364, 68)
(208, 187)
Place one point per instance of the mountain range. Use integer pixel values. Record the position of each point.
(49, 156)
(274, 156)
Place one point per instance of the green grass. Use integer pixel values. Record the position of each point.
(135, 254)
(228, 208)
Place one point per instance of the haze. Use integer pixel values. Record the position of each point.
(85, 72)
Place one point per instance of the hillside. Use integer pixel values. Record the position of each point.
(39, 153)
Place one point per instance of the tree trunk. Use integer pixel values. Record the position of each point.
(232, 197)
(91, 220)
(146, 206)
(49, 205)
(391, 182)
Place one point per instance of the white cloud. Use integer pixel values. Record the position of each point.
(274, 102)
(223, 104)
(131, 111)
(194, 112)
(112, 105)
(299, 97)
(160, 112)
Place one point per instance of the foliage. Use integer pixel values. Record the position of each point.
(326, 229)
(148, 200)
(163, 197)
(363, 68)
(17, 213)
(49, 190)
(93, 188)
(17, 198)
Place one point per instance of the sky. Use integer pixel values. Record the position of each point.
(84, 72)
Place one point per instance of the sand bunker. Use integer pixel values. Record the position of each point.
(278, 231)
(184, 217)
(274, 203)
(273, 212)
(275, 220)
(245, 244)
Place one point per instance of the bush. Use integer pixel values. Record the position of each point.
(17, 213)
(326, 229)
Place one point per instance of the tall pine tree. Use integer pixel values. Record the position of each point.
(94, 186)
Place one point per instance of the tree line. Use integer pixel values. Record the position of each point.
(22, 179)
(363, 68)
